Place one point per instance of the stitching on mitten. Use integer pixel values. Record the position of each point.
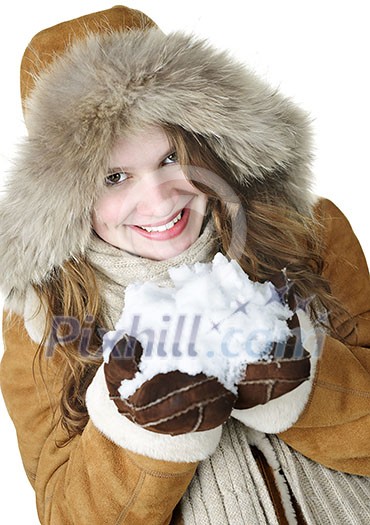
(171, 394)
(200, 419)
(164, 398)
(181, 412)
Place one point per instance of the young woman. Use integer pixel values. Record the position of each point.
(147, 151)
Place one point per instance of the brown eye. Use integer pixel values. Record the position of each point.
(170, 159)
(115, 178)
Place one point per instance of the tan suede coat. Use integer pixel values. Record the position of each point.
(93, 481)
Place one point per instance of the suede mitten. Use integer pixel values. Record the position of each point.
(169, 403)
(287, 367)
(288, 364)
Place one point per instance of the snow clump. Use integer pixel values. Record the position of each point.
(213, 320)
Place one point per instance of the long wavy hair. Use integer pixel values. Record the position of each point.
(277, 237)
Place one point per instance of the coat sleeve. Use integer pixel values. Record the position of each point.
(91, 479)
(334, 427)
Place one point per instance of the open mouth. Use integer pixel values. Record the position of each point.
(163, 227)
(171, 229)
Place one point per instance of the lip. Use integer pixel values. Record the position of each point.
(161, 223)
(176, 230)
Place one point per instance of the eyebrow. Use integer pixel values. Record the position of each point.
(128, 169)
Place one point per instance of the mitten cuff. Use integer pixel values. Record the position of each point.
(278, 414)
(103, 413)
(281, 413)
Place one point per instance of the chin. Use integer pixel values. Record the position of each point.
(172, 249)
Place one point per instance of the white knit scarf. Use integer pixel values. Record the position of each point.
(228, 487)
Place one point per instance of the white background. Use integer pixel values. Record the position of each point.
(315, 51)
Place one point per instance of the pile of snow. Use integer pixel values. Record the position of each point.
(213, 320)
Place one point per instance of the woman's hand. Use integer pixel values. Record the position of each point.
(169, 403)
(286, 369)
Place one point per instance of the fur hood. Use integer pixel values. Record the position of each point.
(117, 82)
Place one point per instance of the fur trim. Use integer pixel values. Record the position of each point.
(278, 414)
(34, 316)
(103, 413)
(260, 441)
(281, 413)
(114, 84)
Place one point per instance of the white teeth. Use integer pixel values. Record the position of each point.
(164, 227)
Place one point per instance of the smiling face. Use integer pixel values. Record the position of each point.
(148, 207)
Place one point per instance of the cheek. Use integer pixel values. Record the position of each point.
(188, 187)
(200, 201)
(109, 210)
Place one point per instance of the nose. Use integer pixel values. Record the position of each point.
(157, 197)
